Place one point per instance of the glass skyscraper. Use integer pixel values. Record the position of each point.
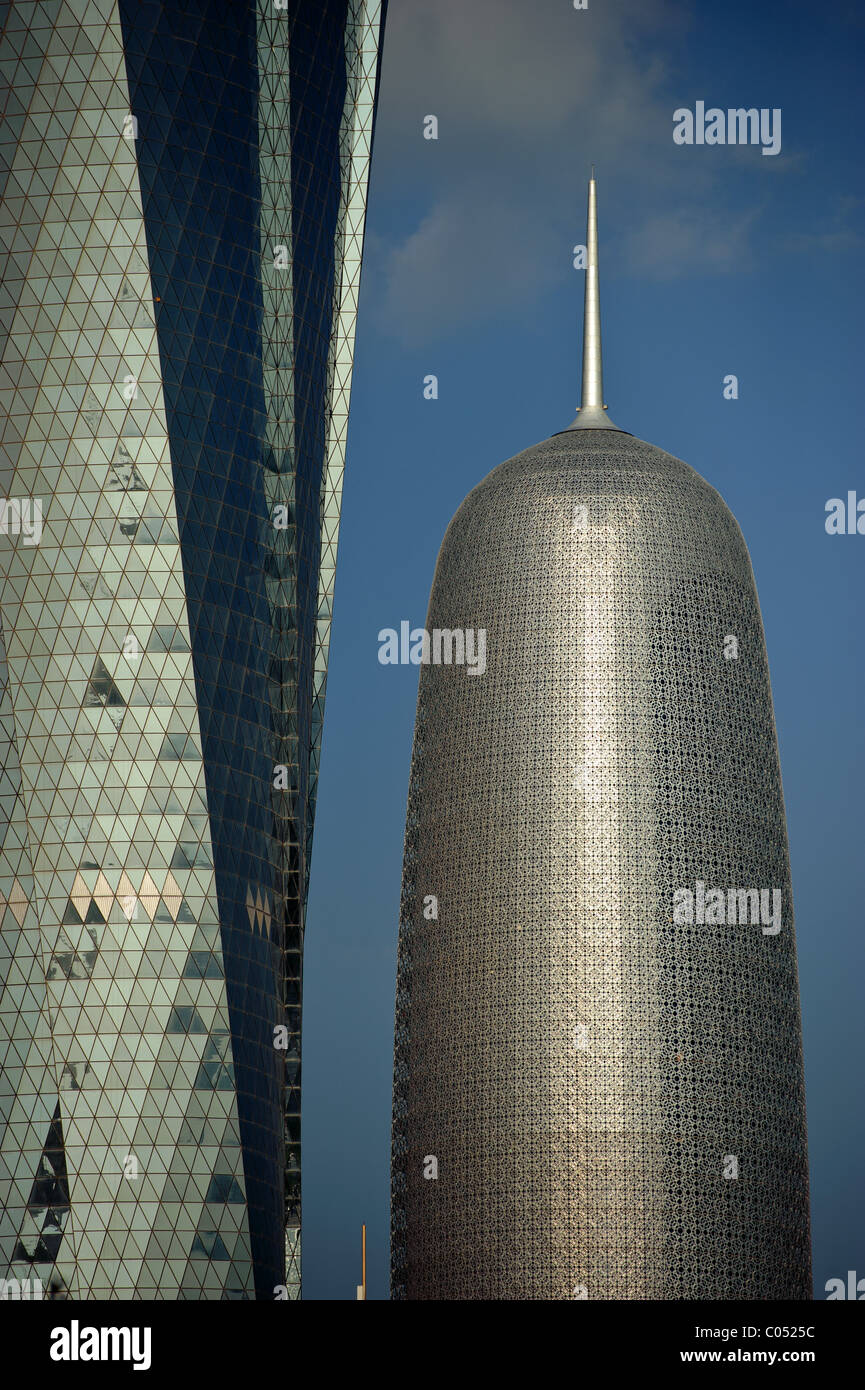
(184, 193)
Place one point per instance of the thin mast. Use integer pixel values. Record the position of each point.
(592, 414)
(593, 372)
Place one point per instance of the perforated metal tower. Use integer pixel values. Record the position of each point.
(613, 1098)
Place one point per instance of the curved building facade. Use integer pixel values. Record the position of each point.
(183, 201)
(594, 1096)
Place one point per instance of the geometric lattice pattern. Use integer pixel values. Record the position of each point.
(614, 1102)
(159, 656)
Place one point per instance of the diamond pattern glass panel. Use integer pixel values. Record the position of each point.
(174, 399)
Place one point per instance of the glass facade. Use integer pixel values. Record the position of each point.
(183, 209)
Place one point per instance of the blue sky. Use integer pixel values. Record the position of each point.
(714, 260)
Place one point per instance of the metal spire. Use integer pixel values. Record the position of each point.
(592, 413)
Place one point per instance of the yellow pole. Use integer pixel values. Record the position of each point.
(363, 1260)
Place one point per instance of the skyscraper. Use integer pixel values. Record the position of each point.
(184, 192)
(598, 1086)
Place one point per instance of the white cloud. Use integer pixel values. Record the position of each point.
(670, 245)
(527, 95)
(466, 257)
(517, 72)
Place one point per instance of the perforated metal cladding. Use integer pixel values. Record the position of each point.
(609, 755)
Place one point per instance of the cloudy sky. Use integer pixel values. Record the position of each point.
(526, 94)
(714, 260)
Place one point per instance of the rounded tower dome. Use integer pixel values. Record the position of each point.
(597, 1035)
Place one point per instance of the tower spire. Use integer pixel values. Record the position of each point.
(592, 413)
